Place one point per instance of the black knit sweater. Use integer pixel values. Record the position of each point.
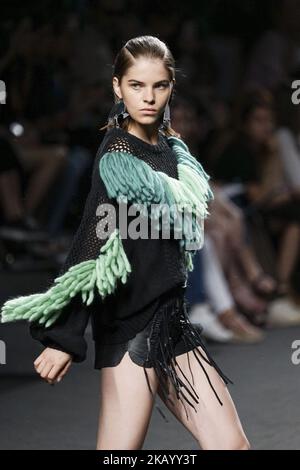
(157, 264)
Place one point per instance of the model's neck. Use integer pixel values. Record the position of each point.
(147, 133)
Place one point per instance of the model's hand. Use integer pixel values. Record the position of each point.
(52, 364)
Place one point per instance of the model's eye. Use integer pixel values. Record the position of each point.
(163, 85)
(135, 85)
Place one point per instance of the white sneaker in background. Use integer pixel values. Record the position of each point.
(283, 312)
(212, 329)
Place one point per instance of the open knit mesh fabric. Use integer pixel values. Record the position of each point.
(153, 291)
(157, 264)
(160, 157)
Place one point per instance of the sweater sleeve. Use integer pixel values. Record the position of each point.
(67, 333)
(95, 264)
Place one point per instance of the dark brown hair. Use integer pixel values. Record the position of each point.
(142, 46)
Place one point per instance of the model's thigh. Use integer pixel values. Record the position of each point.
(125, 405)
(214, 426)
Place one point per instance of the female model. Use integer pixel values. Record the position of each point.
(133, 287)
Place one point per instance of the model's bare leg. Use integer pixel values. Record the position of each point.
(125, 406)
(214, 426)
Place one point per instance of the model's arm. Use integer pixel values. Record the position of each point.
(95, 265)
(64, 342)
(67, 333)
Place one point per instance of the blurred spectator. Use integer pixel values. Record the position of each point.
(247, 279)
(19, 207)
(288, 137)
(277, 51)
(251, 158)
(211, 304)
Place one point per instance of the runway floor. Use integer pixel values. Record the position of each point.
(35, 415)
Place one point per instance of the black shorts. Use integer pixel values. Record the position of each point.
(168, 334)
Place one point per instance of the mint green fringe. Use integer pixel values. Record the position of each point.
(127, 178)
(103, 273)
(189, 261)
(186, 158)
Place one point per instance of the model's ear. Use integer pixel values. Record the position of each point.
(116, 87)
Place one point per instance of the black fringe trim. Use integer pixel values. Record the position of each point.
(171, 324)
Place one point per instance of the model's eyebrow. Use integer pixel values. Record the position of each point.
(156, 83)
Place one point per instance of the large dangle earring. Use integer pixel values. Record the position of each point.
(166, 122)
(118, 110)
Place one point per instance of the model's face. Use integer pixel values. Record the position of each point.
(145, 85)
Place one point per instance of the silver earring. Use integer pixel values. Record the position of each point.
(118, 110)
(166, 122)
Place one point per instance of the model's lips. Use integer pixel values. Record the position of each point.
(152, 110)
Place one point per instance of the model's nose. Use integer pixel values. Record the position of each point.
(149, 96)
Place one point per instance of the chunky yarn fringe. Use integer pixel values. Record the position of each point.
(129, 179)
(101, 274)
(126, 178)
